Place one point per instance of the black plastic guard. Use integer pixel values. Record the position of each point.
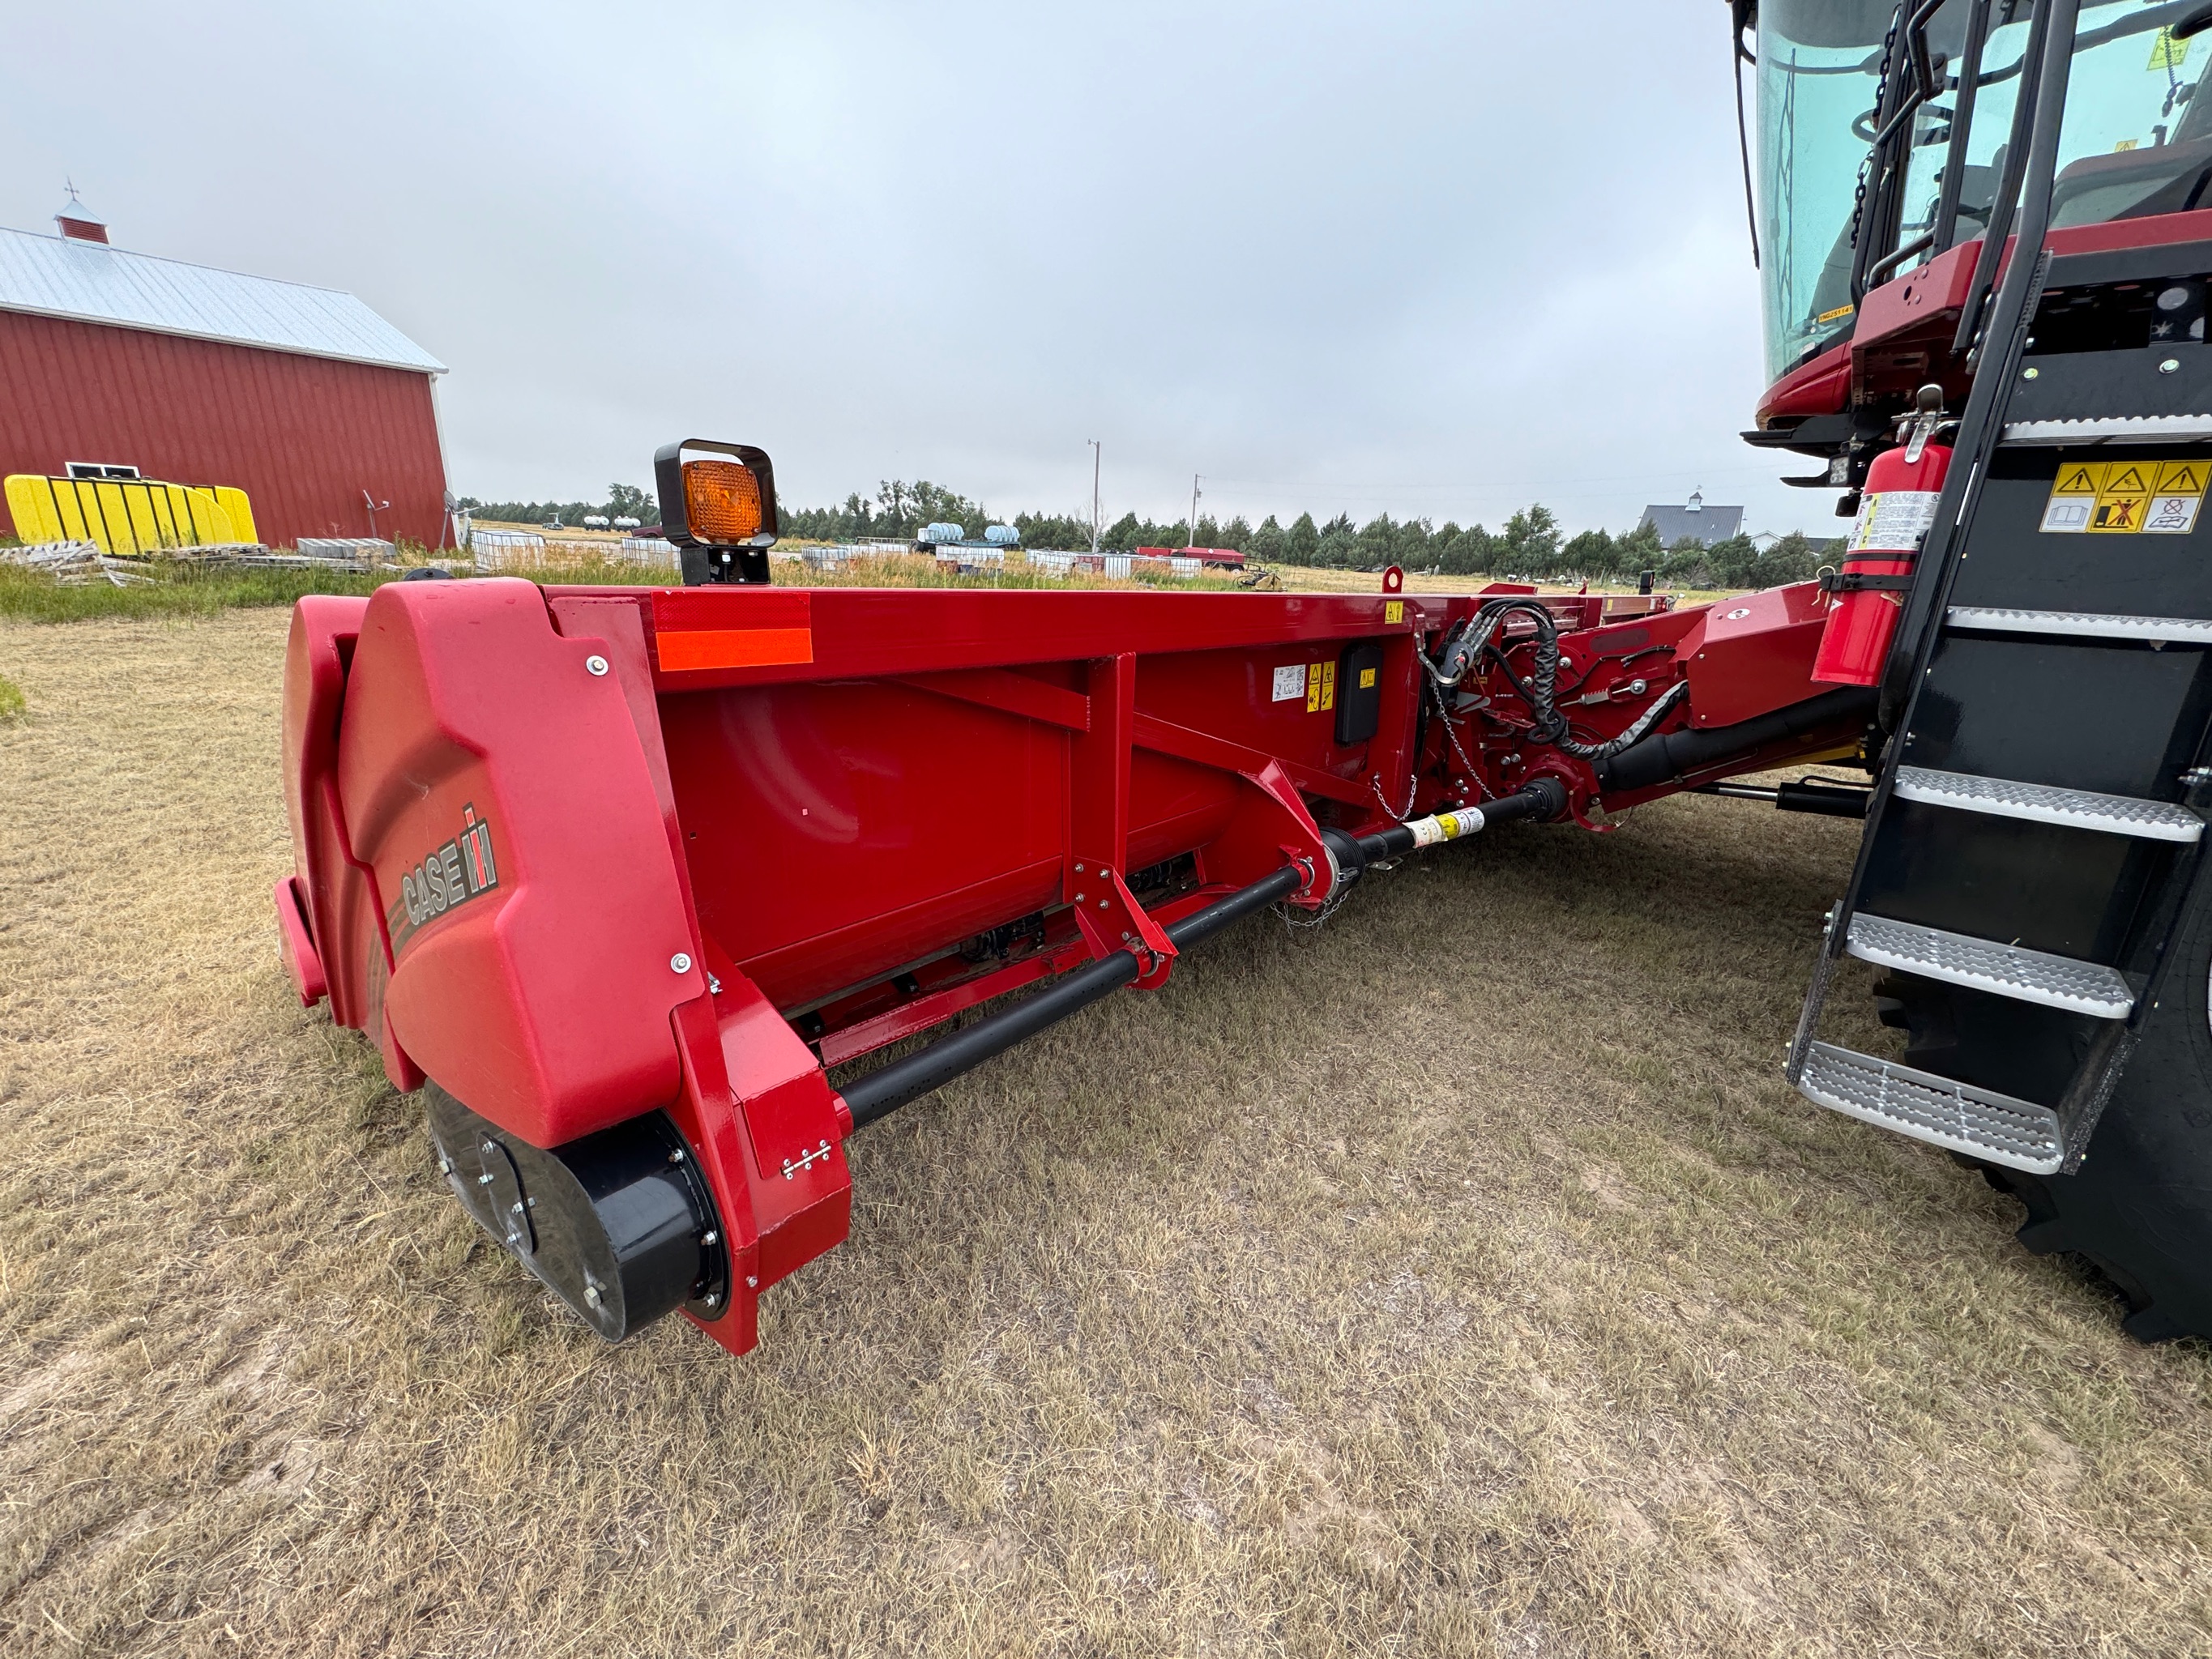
(619, 1224)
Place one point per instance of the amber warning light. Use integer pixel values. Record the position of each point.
(721, 501)
(718, 506)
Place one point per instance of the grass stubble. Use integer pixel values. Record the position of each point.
(1462, 1281)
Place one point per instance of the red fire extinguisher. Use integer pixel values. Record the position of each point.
(1896, 511)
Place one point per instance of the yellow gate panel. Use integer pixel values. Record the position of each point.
(127, 515)
(110, 514)
(239, 511)
(31, 506)
(209, 523)
(138, 511)
(68, 510)
(163, 498)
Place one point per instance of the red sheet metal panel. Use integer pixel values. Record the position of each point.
(1753, 652)
(494, 780)
(303, 436)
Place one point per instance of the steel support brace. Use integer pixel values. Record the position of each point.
(1099, 778)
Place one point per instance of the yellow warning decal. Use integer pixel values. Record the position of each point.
(1366, 679)
(2118, 514)
(2166, 53)
(1394, 610)
(2182, 479)
(2123, 498)
(1321, 686)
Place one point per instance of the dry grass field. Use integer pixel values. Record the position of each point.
(1461, 1280)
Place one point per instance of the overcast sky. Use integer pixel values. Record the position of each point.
(1438, 260)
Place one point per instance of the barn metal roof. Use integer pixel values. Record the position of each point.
(1696, 522)
(85, 281)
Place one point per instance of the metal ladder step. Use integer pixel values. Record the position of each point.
(2079, 625)
(2000, 1128)
(2043, 803)
(2112, 429)
(2009, 970)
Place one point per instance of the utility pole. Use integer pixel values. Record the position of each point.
(1193, 539)
(1097, 451)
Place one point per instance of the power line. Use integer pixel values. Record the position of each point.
(1368, 491)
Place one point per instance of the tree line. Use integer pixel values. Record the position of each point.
(623, 502)
(1531, 543)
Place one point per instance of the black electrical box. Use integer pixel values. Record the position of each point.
(1358, 693)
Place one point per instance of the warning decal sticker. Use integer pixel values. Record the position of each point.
(1893, 519)
(734, 627)
(2157, 498)
(1321, 686)
(1290, 682)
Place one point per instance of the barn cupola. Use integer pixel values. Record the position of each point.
(79, 223)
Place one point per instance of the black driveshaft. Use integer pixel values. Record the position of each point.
(886, 1089)
(890, 1087)
(1539, 799)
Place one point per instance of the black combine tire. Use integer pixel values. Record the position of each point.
(2141, 1209)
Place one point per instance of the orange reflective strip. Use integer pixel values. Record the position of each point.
(735, 648)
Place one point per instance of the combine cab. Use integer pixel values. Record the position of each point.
(2002, 208)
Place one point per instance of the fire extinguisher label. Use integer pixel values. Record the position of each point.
(1893, 521)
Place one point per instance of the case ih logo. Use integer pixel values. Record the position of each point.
(453, 875)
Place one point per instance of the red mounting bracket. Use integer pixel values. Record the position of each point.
(1112, 920)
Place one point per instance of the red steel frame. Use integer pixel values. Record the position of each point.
(583, 854)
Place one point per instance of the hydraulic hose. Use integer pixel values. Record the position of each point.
(1538, 691)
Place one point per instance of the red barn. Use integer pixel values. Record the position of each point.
(324, 414)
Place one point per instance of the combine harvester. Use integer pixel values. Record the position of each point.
(618, 877)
